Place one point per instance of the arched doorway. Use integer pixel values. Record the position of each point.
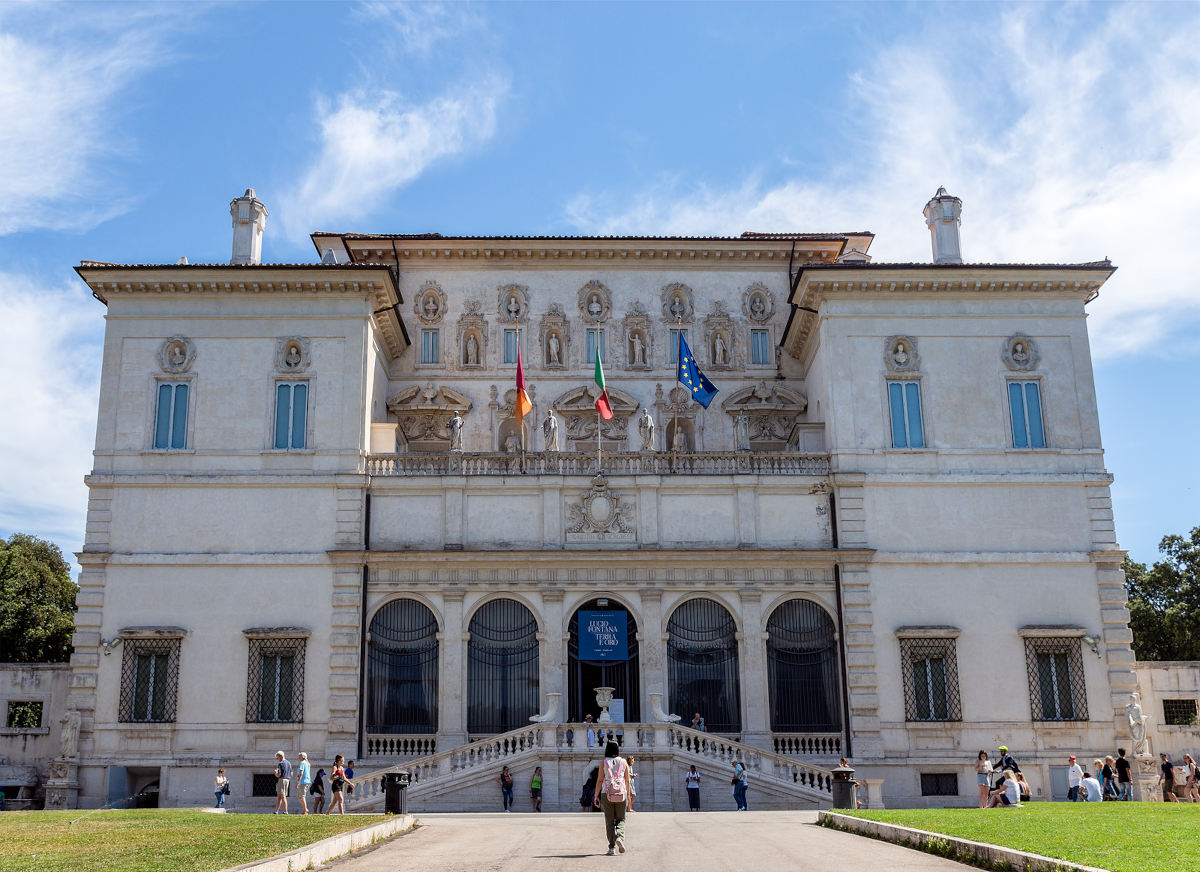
(583, 675)
(802, 669)
(502, 668)
(402, 669)
(702, 665)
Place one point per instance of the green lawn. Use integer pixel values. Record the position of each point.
(151, 841)
(1121, 836)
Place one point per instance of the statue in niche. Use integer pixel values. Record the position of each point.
(471, 357)
(550, 431)
(741, 432)
(514, 307)
(758, 308)
(677, 307)
(177, 354)
(646, 430)
(900, 356)
(637, 347)
(455, 425)
(553, 349)
(595, 309)
(431, 307)
(1019, 355)
(720, 351)
(292, 358)
(679, 443)
(512, 445)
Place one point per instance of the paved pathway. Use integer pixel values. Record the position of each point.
(657, 842)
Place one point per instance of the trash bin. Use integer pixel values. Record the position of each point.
(843, 787)
(395, 792)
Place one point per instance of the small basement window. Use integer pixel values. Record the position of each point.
(939, 784)
(264, 785)
(1179, 712)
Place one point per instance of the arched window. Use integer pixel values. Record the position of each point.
(702, 665)
(402, 669)
(802, 669)
(502, 668)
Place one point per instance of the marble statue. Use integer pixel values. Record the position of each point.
(646, 430)
(177, 354)
(900, 355)
(758, 308)
(455, 426)
(679, 443)
(68, 738)
(550, 431)
(431, 307)
(472, 357)
(595, 309)
(741, 432)
(677, 307)
(292, 358)
(1019, 354)
(1137, 726)
(554, 348)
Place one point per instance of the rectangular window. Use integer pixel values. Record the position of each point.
(170, 417)
(291, 414)
(1025, 407)
(1056, 687)
(939, 784)
(275, 685)
(594, 336)
(930, 680)
(429, 346)
(673, 350)
(263, 784)
(1176, 712)
(760, 346)
(149, 680)
(24, 715)
(904, 404)
(510, 346)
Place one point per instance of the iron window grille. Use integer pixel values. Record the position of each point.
(930, 680)
(1057, 691)
(275, 681)
(263, 784)
(149, 680)
(1179, 712)
(939, 784)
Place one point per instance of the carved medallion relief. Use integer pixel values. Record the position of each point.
(291, 354)
(430, 303)
(900, 354)
(677, 304)
(512, 303)
(1020, 353)
(177, 355)
(600, 515)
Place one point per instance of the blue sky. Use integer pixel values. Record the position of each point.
(1069, 131)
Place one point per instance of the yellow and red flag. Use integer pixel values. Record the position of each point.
(522, 407)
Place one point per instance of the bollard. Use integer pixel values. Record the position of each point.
(843, 787)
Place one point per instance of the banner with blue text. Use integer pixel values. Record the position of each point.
(603, 636)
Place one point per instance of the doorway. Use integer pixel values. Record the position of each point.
(583, 676)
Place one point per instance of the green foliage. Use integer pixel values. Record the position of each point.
(1164, 601)
(24, 715)
(37, 601)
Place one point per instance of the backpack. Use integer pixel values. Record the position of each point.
(614, 779)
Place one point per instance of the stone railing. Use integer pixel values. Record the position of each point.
(808, 744)
(758, 763)
(583, 463)
(400, 745)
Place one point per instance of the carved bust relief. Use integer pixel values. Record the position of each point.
(758, 303)
(472, 337)
(291, 354)
(177, 354)
(677, 303)
(430, 303)
(512, 303)
(1020, 353)
(595, 302)
(900, 354)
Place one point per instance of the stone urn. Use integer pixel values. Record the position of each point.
(604, 698)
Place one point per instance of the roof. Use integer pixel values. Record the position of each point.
(876, 265)
(98, 264)
(748, 235)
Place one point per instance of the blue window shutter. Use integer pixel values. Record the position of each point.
(299, 414)
(916, 437)
(1033, 410)
(510, 346)
(179, 417)
(162, 418)
(896, 404)
(1016, 405)
(283, 414)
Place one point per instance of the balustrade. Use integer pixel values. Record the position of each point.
(808, 744)
(582, 463)
(400, 745)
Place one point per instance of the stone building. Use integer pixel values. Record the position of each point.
(315, 522)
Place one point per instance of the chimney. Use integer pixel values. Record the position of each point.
(943, 214)
(249, 220)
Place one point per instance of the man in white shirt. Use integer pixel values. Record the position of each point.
(1074, 777)
(1091, 787)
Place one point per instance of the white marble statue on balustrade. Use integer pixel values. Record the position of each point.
(455, 425)
(646, 430)
(550, 431)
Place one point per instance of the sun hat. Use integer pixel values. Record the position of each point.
(1072, 757)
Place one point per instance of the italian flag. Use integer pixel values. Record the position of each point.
(522, 407)
(602, 404)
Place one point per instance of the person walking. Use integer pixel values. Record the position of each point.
(740, 785)
(1074, 779)
(1108, 780)
(304, 780)
(1124, 776)
(535, 789)
(1166, 778)
(587, 795)
(612, 794)
(983, 776)
(283, 780)
(506, 788)
(318, 791)
(222, 784)
(337, 786)
(691, 780)
(1006, 761)
(349, 780)
(1191, 788)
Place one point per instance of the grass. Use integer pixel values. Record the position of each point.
(1120, 836)
(153, 840)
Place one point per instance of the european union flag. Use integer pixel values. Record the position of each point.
(690, 376)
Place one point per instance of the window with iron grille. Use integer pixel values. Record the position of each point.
(930, 680)
(263, 784)
(1179, 712)
(149, 680)
(275, 681)
(939, 784)
(1056, 686)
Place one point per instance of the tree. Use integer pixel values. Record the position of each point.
(1164, 601)
(37, 601)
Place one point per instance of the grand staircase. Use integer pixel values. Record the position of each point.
(465, 778)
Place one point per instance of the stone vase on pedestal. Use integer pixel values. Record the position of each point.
(604, 698)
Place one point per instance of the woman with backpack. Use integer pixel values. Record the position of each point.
(613, 790)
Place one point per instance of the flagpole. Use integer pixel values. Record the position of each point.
(678, 343)
(517, 401)
(599, 451)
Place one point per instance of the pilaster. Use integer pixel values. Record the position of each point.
(452, 702)
(756, 722)
(344, 657)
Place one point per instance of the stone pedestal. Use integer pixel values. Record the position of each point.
(62, 790)
(1145, 779)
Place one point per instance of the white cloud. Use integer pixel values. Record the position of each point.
(421, 27)
(59, 84)
(50, 349)
(375, 143)
(1060, 154)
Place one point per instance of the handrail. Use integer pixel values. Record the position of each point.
(758, 763)
(583, 463)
